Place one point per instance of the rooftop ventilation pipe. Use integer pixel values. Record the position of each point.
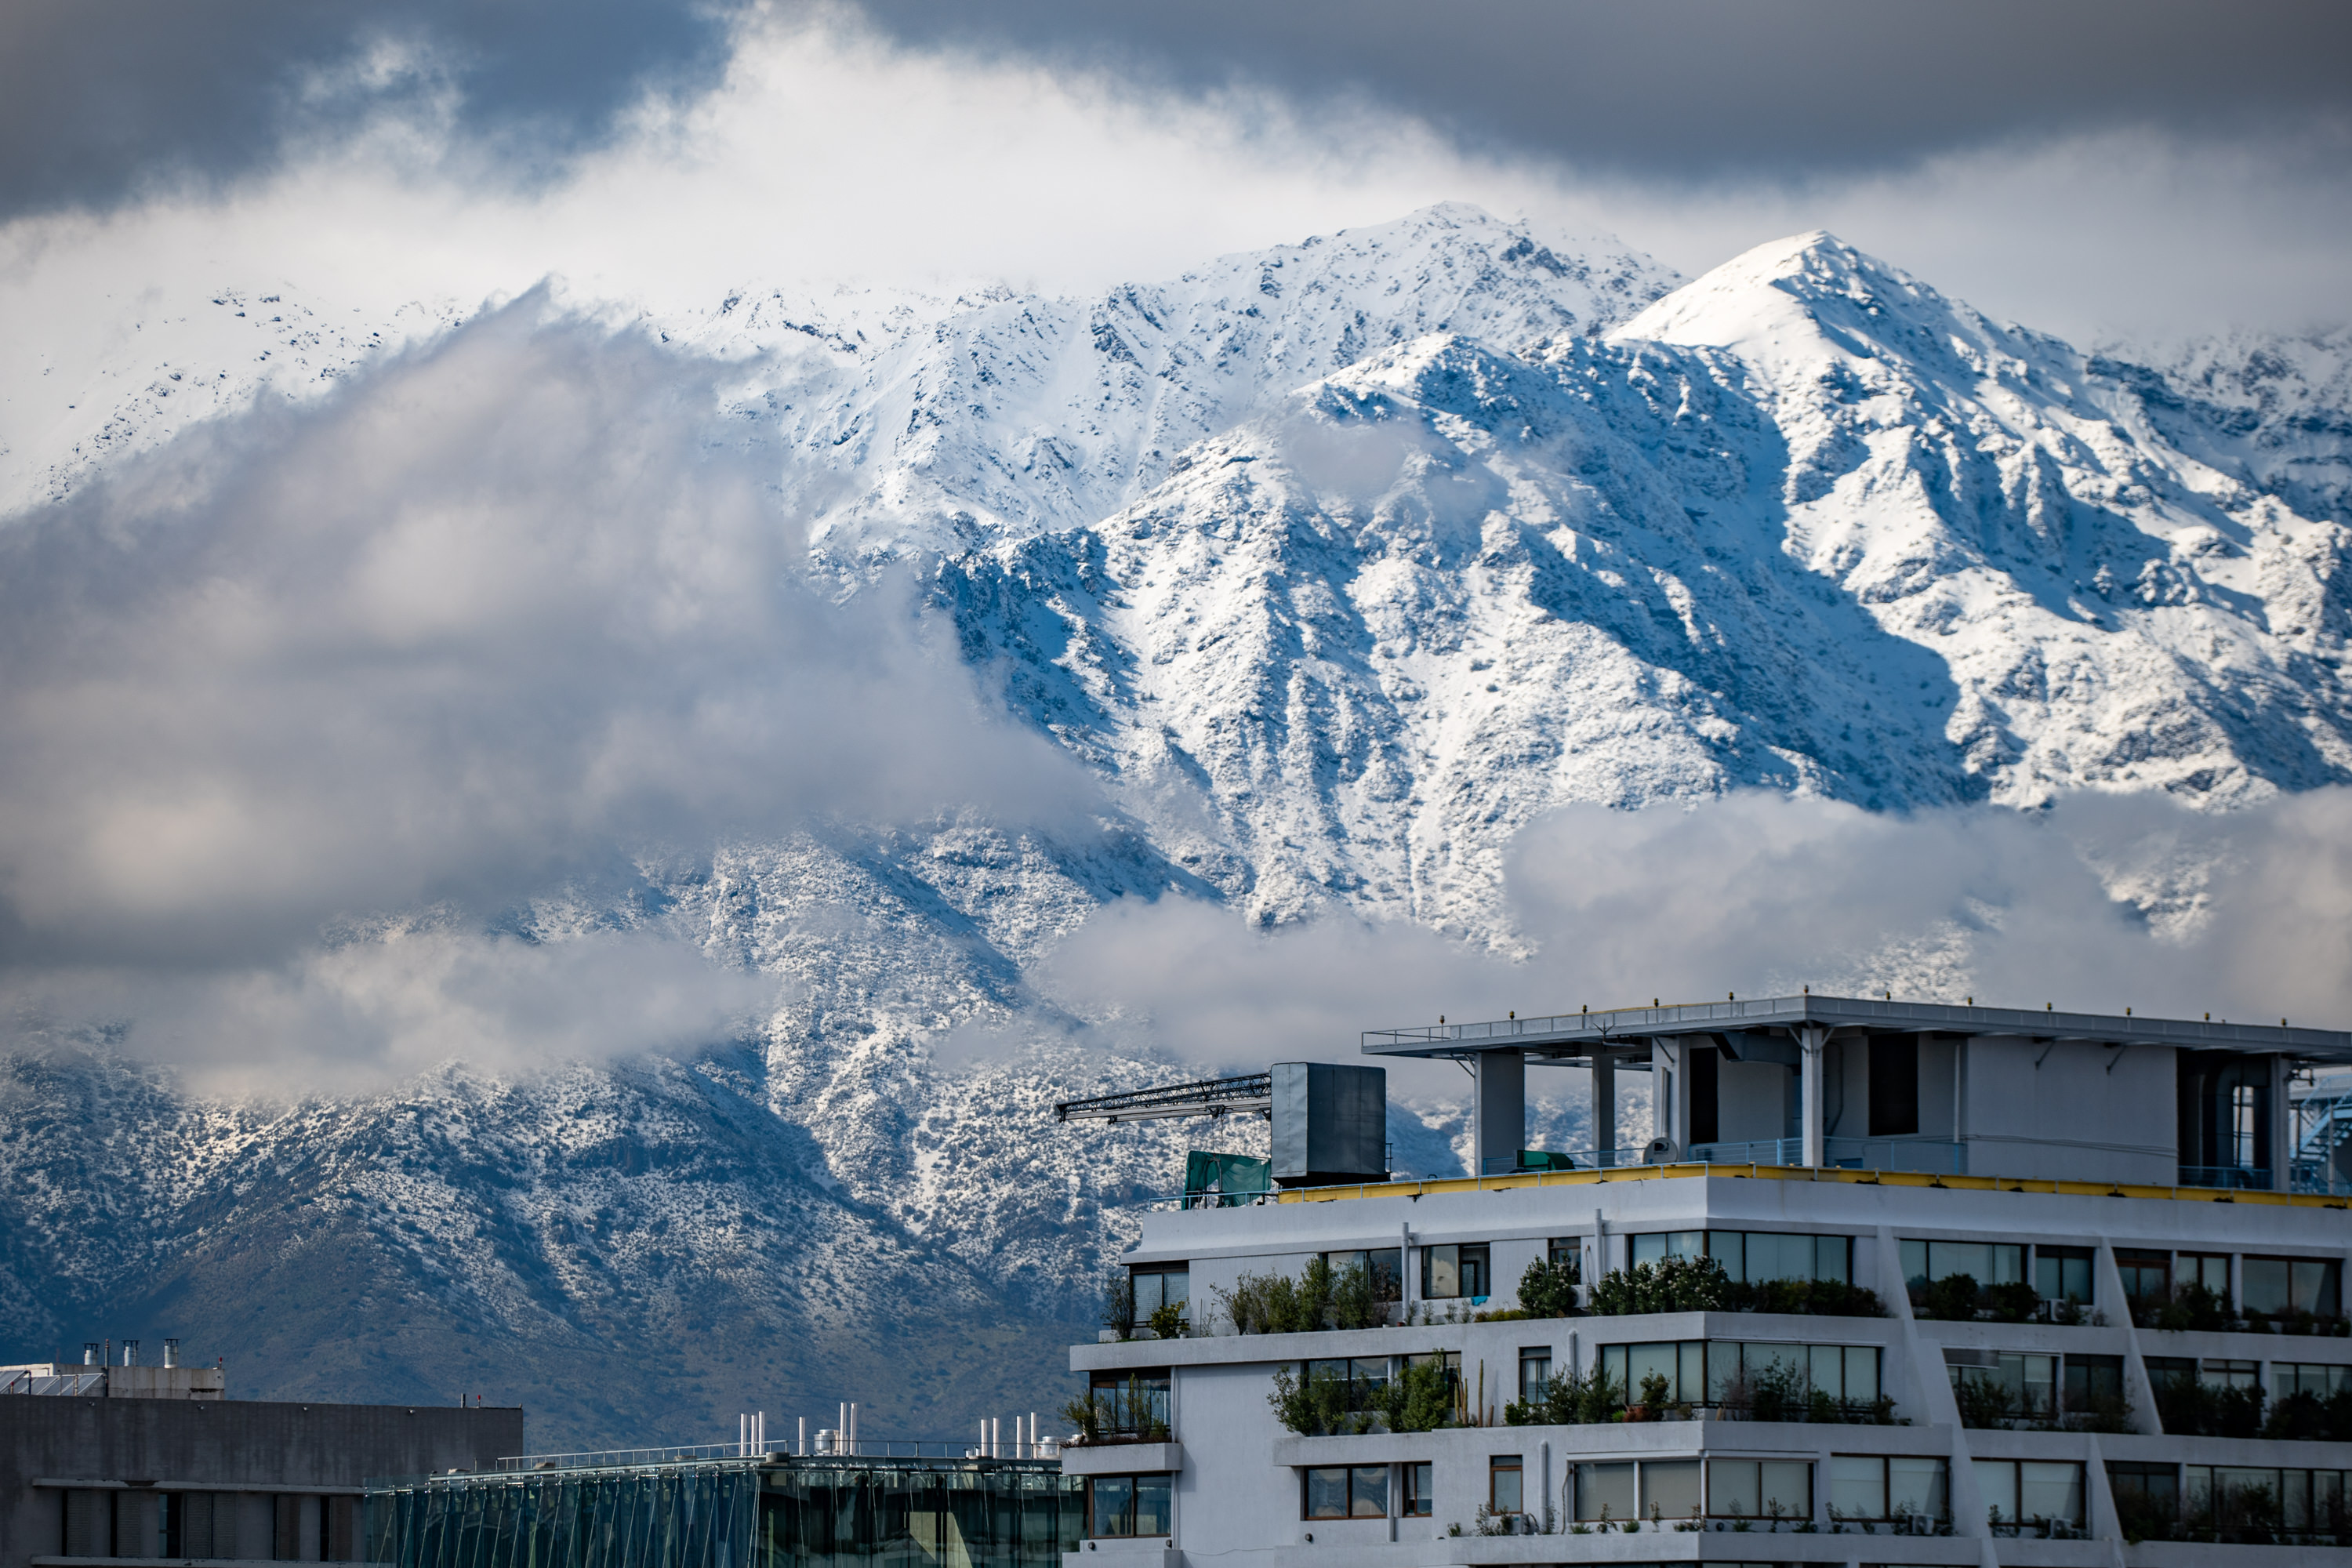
(171, 1353)
(131, 1352)
(90, 1353)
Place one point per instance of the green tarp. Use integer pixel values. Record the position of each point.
(1223, 1180)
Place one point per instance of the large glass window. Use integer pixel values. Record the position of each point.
(1128, 1505)
(2093, 1379)
(2022, 1491)
(2147, 1276)
(1159, 1285)
(2029, 1381)
(1344, 1491)
(1419, 1489)
(1986, 1262)
(1760, 1489)
(2281, 1285)
(1671, 1488)
(1714, 1371)
(1383, 1266)
(1877, 1486)
(2063, 1273)
(1130, 1403)
(1455, 1272)
(2208, 1269)
(2232, 1495)
(1605, 1491)
(2322, 1379)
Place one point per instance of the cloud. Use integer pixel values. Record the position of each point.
(493, 616)
(2100, 903)
(358, 1015)
(103, 101)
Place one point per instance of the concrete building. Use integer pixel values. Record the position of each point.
(103, 1463)
(2102, 1324)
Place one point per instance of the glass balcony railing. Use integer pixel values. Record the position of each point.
(1926, 1155)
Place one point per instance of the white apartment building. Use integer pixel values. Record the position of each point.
(2119, 1192)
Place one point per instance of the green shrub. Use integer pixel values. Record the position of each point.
(1320, 1404)
(1168, 1321)
(1952, 1298)
(1568, 1399)
(1420, 1398)
(1320, 1297)
(1118, 1303)
(1547, 1289)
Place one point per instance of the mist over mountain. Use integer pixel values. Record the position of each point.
(929, 707)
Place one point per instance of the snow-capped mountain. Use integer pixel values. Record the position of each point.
(1337, 563)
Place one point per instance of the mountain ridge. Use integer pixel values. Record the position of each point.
(1336, 565)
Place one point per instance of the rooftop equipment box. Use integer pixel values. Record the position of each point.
(1330, 1124)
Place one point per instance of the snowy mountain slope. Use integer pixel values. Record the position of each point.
(1339, 563)
(1023, 414)
(182, 357)
(2274, 411)
(2113, 611)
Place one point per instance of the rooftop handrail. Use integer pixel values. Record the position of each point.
(863, 1448)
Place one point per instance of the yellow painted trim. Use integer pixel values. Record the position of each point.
(1524, 1179)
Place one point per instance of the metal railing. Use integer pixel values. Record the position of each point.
(67, 1385)
(706, 1453)
(1926, 1156)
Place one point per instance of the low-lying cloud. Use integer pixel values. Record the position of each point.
(491, 619)
(2101, 903)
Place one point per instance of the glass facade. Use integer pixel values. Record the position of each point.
(804, 1514)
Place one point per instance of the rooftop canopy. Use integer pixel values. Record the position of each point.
(1628, 1031)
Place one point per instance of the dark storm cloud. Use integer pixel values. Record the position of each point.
(1715, 86)
(99, 99)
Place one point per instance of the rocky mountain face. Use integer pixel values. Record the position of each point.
(1337, 564)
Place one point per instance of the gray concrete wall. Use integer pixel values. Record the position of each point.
(120, 1456)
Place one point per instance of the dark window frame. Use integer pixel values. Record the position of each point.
(1134, 1481)
(1306, 1491)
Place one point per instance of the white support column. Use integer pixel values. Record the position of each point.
(1669, 1093)
(1810, 1038)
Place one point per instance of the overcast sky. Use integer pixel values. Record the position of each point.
(2139, 166)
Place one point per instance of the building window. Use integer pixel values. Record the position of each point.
(1617, 1492)
(1567, 1249)
(1605, 1492)
(1130, 1403)
(2278, 1287)
(2147, 1496)
(2211, 1271)
(1159, 1285)
(1874, 1486)
(1455, 1272)
(2230, 1375)
(1657, 1246)
(1714, 1372)
(1535, 1368)
(1670, 1489)
(1760, 1489)
(1503, 1489)
(1754, 1256)
(2147, 1276)
(2013, 1386)
(2093, 1379)
(2063, 1273)
(2229, 1497)
(2020, 1491)
(1363, 1377)
(1384, 1269)
(1344, 1491)
(1419, 1489)
(1127, 1505)
(1986, 1262)
(2323, 1379)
